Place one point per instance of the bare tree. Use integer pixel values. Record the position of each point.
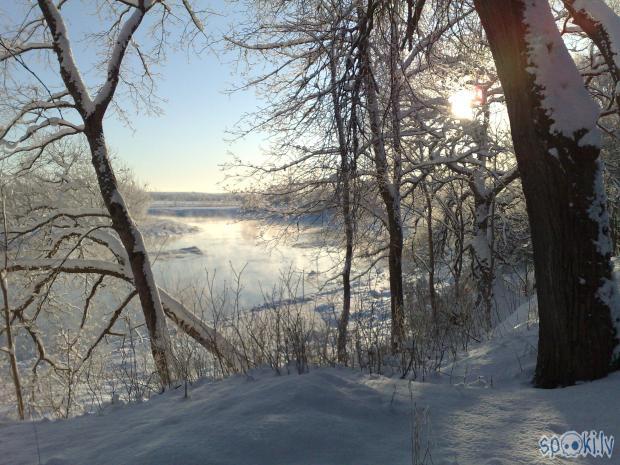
(73, 108)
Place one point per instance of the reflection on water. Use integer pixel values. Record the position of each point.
(226, 243)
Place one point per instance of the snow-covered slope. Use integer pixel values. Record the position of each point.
(480, 411)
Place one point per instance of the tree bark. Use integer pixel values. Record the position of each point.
(133, 243)
(93, 113)
(11, 346)
(7, 318)
(390, 194)
(432, 293)
(481, 250)
(345, 200)
(562, 183)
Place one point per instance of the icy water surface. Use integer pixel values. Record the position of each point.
(221, 244)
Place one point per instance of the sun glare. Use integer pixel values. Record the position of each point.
(462, 104)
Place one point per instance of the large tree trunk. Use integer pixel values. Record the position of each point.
(93, 113)
(561, 174)
(133, 242)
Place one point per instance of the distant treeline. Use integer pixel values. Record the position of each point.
(196, 197)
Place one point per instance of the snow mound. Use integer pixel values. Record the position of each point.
(318, 418)
(481, 410)
(507, 357)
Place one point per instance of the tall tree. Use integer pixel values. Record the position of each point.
(388, 168)
(553, 121)
(92, 112)
(60, 104)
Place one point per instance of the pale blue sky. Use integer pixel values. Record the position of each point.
(181, 149)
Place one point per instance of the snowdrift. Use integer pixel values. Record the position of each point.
(479, 410)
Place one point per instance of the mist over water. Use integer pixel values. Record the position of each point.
(224, 245)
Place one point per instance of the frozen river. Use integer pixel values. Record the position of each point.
(217, 245)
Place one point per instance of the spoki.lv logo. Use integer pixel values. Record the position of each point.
(574, 444)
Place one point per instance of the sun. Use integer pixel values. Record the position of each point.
(462, 104)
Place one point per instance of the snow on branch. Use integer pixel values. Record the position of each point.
(564, 98)
(71, 214)
(602, 25)
(62, 47)
(37, 105)
(105, 94)
(427, 42)
(273, 45)
(11, 149)
(206, 336)
(45, 123)
(19, 49)
(194, 327)
(602, 15)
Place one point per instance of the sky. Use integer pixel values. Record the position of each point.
(181, 149)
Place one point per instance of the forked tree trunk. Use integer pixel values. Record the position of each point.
(562, 178)
(93, 113)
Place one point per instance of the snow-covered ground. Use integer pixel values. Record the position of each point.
(480, 410)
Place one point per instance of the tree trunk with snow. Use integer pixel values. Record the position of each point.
(93, 112)
(553, 122)
(481, 249)
(133, 243)
(10, 344)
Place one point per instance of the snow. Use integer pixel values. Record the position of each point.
(573, 113)
(480, 410)
(118, 52)
(609, 293)
(65, 57)
(600, 12)
(598, 211)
